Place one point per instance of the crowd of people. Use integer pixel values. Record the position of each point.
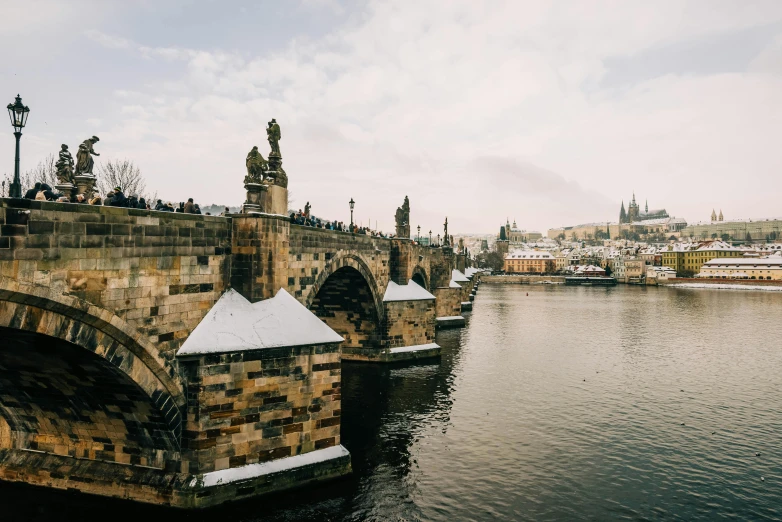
(114, 198)
(305, 219)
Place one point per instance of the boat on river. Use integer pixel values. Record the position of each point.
(590, 281)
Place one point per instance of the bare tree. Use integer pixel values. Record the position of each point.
(45, 172)
(123, 174)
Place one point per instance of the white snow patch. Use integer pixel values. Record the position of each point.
(252, 212)
(416, 348)
(458, 276)
(450, 318)
(721, 286)
(235, 324)
(410, 292)
(454, 284)
(251, 471)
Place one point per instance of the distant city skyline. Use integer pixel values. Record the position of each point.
(549, 113)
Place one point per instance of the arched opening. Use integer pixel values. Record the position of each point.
(345, 302)
(418, 279)
(57, 397)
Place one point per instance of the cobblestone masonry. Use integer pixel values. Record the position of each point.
(410, 323)
(161, 272)
(255, 406)
(57, 399)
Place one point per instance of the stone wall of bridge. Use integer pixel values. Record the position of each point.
(159, 272)
(111, 294)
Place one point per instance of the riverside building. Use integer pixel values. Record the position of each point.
(769, 268)
(529, 262)
(691, 260)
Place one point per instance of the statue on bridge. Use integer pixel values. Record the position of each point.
(265, 179)
(446, 241)
(64, 166)
(84, 161)
(256, 167)
(273, 135)
(402, 219)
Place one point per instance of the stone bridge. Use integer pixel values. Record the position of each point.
(95, 303)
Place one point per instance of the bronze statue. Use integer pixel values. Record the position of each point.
(84, 161)
(445, 239)
(256, 166)
(64, 166)
(273, 134)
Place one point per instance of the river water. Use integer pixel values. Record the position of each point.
(555, 403)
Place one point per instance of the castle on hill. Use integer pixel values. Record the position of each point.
(634, 214)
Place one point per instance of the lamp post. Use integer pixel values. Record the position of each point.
(18, 113)
(419, 234)
(352, 204)
(430, 238)
(438, 239)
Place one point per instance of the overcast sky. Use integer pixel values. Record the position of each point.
(547, 112)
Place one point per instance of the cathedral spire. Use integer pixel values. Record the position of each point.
(622, 213)
(646, 207)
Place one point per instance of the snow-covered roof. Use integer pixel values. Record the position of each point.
(719, 245)
(529, 254)
(236, 324)
(458, 277)
(412, 291)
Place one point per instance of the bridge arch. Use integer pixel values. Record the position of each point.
(346, 297)
(420, 278)
(77, 380)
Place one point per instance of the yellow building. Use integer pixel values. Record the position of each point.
(674, 258)
(684, 261)
(529, 262)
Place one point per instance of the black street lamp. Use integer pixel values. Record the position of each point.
(352, 204)
(18, 113)
(438, 239)
(430, 238)
(419, 234)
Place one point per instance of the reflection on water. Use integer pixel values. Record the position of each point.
(563, 404)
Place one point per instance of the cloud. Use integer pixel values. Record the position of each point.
(550, 113)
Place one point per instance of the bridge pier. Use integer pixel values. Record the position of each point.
(263, 388)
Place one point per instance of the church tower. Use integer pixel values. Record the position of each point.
(646, 207)
(633, 211)
(622, 213)
(713, 216)
(720, 218)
